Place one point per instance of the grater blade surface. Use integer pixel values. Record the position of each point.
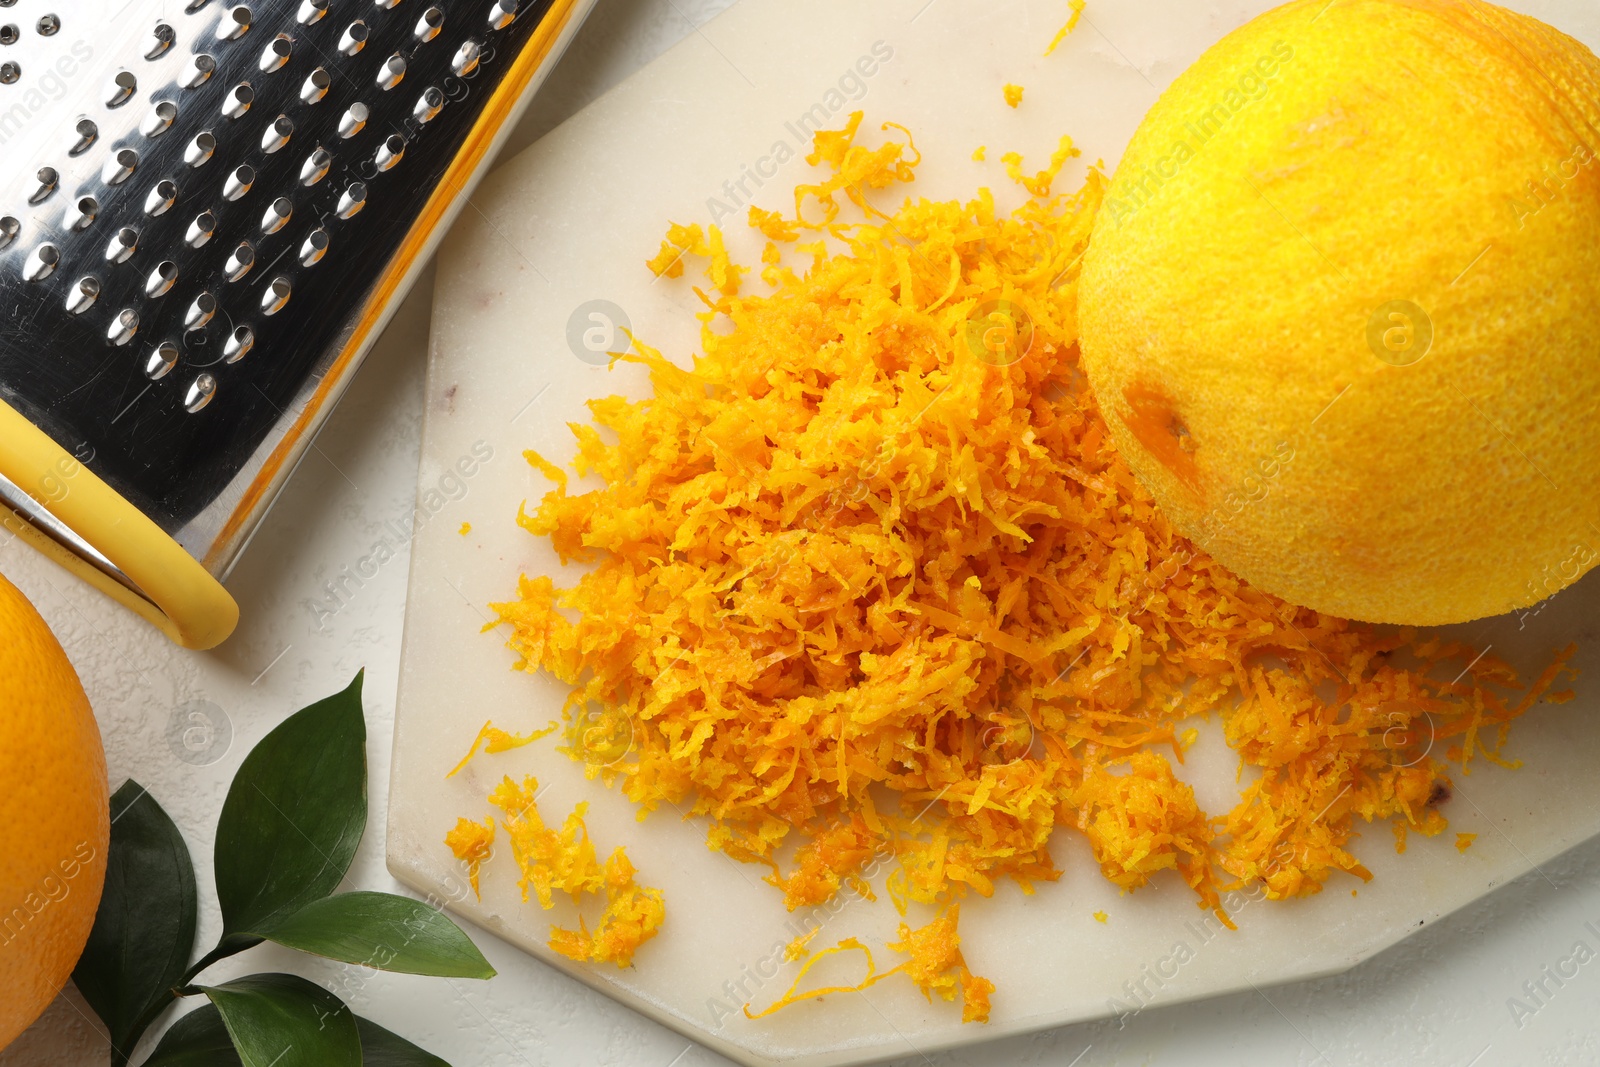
(207, 211)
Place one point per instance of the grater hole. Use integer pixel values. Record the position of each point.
(160, 119)
(428, 25)
(199, 394)
(161, 360)
(277, 215)
(392, 72)
(122, 246)
(200, 149)
(49, 25)
(465, 61)
(234, 23)
(354, 120)
(9, 34)
(311, 11)
(195, 5)
(240, 260)
(428, 104)
(314, 247)
(200, 230)
(202, 311)
(161, 39)
(10, 227)
(199, 70)
(47, 178)
(81, 297)
(123, 326)
(42, 263)
(390, 152)
(161, 279)
(316, 167)
(502, 14)
(88, 133)
(121, 89)
(83, 213)
(386, 5)
(276, 295)
(353, 200)
(276, 54)
(239, 344)
(162, 197)
(239, 100)
(277, 135)
(9, 73)
(316, 86)
(239, 182)
(354, 38)
(119, 167)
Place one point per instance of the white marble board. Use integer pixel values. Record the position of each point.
(569, 222)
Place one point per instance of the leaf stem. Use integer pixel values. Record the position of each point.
(225, 948)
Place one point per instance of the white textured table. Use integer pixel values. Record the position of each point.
(1440, 997)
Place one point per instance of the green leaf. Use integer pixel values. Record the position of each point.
(199, 1039)
(380, 1048)
(282, 1020)
(144, 930)
(292, 818)
(381, 930)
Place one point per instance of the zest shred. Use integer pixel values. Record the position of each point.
(554, 861)
(870, 580)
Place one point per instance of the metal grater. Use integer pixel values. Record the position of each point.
(207, 212)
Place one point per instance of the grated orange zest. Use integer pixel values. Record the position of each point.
(1074, 13)
(472, 843)
(499, 740)
(633, 915)
(550, 860)
(862, 591)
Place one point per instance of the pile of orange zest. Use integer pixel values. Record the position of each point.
(862, 589)
(979, 153)
(549, 860)
(499, 741)
(1075, 12)
(1145, 820)
(465, 529)
(1039, 184)
(1013, 94)
(1464, 841)
(471, 843)
(632, 916)
(1100, 916)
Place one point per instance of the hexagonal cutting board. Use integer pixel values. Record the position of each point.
(568, 224)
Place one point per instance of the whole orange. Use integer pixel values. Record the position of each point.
(55, 820)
